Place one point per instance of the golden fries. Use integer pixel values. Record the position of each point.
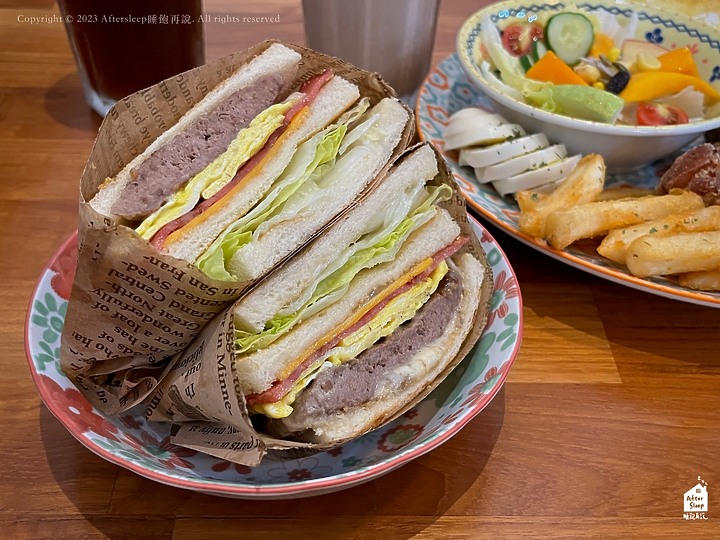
(612, 194)
(707, 280)
(582, 185)
(653, 235)
(652, 255)
(528, 200)
(614, 246)
(589, 220)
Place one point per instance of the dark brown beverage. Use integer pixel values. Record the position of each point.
(122, 46)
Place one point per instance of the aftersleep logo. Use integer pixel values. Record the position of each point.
(695, 501)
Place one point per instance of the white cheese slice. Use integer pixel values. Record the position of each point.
(471, 121)
(484, 157)
(484, 135)
(527, 162)
(536, 177)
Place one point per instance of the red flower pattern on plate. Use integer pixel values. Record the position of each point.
(223, 465)
(449, 419)
(505, 288)
(77, 409)
(64, 267)
(299, 474)
(491, 373)
(473, 395)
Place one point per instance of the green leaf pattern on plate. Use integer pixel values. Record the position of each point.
(49, 315)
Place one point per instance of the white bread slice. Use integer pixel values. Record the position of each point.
(399, 387)
(282, 287)
(256, 258)
(193, 239)
(275, 59)
(257, 371)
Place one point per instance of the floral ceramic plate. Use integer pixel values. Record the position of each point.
(447, 90)
(128, 440)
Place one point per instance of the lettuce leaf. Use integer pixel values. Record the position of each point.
(310, 157)
(374, 248)
(310, 161)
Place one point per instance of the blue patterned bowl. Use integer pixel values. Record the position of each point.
(623, 147)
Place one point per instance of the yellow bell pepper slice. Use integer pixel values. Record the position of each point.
(679, 61)
(602, 44)
(553, 70)
(655, 84)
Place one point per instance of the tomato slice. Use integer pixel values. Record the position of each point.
(518, 37)
(659, 114)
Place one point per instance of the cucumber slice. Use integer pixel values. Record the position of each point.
(526, 62)
(569, 36)
(538, 50)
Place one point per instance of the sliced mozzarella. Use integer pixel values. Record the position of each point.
(484, 157)
(537, 177)
(471, 122)
(471, 112)
(527, 162)
(484, 135)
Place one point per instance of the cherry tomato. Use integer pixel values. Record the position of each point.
(658, 114)
(518, 37)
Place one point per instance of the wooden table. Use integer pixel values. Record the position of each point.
(610, 413)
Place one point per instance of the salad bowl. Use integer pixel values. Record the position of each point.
(624, 147)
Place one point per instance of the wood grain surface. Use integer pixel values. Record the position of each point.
(610, 413)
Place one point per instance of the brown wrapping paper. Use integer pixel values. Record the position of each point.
(132, 309)
(222, 428)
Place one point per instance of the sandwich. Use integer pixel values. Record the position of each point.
(366, 318)
(230, 186)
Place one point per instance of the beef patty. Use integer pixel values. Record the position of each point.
(190, 151)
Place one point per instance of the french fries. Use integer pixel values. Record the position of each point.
(582, 185)
(615, 245)
(653, 235)
(528, 200)
(686, 252)
(707, 280)
(589, 220)
(612, 194)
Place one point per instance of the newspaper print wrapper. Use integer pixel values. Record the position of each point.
(201, 395)
(132, 309)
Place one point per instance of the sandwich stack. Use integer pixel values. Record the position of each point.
(263, 262)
